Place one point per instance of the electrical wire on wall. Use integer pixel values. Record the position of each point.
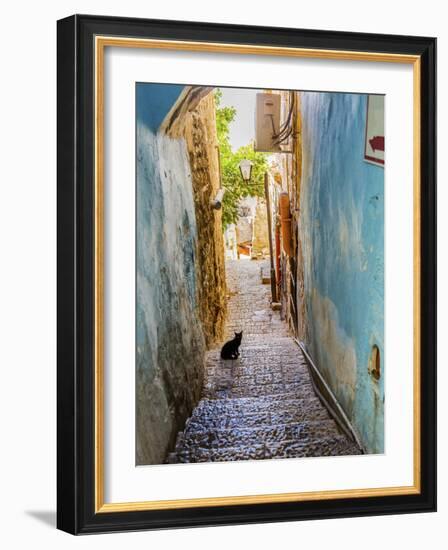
(286, 130)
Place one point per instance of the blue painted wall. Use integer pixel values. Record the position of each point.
(154, 101)
(169, 336)
(342, 233)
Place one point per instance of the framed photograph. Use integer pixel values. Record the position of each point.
(246, 274)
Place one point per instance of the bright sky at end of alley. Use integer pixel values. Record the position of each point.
(242, 129)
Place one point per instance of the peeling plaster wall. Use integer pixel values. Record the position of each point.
(341, 231)
(170, 343)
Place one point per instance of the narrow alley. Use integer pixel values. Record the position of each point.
(263, 404)
(259, 211)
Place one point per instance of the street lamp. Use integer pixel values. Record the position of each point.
(246, 169)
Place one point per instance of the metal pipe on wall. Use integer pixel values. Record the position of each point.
(271, 251)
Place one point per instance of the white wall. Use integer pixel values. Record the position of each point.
(27, 286)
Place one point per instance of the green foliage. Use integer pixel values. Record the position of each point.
(236, 187)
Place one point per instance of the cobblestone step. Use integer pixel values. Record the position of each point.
(263, 366)
(250, 405)
(264, 435)
(260, 374)
(275, 398)
(328, 446)
(222, 391)
(272, 345)
(309, 410)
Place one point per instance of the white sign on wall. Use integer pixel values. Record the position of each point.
(374, 143)
(267, 123)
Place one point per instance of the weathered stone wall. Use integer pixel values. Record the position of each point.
(200, 135)
(170, 343)
(180, 306)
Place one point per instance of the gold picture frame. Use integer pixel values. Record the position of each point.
(102, 33)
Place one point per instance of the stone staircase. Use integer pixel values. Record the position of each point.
(262, 405)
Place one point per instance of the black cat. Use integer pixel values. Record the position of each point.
(230, 348)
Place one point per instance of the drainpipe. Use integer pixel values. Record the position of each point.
(285, 220)
(277, 255)
(271, 252)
